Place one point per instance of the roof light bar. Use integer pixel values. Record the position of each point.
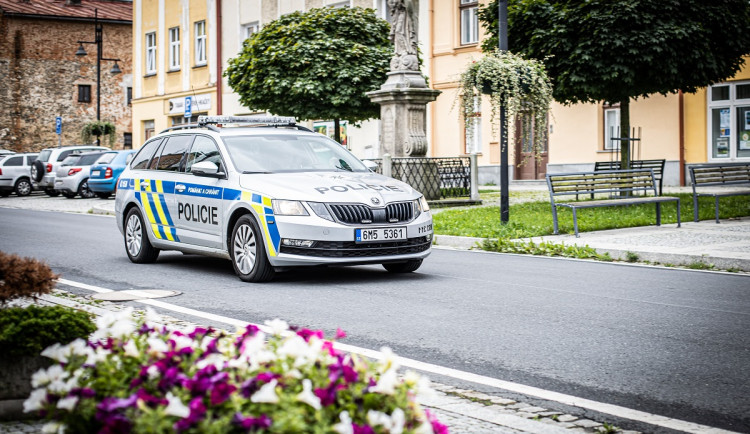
(247, 120)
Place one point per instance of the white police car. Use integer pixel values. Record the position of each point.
(266, 194)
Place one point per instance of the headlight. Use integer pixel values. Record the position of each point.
(288, 207)
(321, 210)
(423, 204)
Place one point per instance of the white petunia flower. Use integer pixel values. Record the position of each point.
(345, 426)
(267, 393)
(254, 344)
(377, 418)
(131, 349)
(387, 383)
(54, 428)
(307, 396)
(153, 372)
(55, 352)
(425, 428)
(390, 361)
(278, 327)
(156, 346)
(68, 403)
(40, 378)
(398, 420)
(96, 356)
(175, 407)
(181, 342)
(35, 401)
(215, 359)
(151, 317)
(294, 346)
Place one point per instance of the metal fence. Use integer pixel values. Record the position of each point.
(436, 178)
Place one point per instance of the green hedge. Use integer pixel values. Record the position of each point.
(28, 331)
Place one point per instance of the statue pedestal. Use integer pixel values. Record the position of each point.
(403, 102)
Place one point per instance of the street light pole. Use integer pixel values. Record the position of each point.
(98, 40)
(502, 37)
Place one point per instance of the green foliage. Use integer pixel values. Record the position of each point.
(24, 277)
(314, 65)
(545, 248)
(27, 331)
(98, 129)
(605, 50)
(631, 257)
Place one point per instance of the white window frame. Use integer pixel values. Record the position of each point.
(151, 53)
(734, 124)
(469, 21)
(340, 4)
(473, 133)
(174, 49)
(611, 130)
(249, 30)
(200, 43)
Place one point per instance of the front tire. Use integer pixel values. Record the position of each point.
(403, 267)
(23, 187)
(248, 252)
(137, 244)
(103, 195)
(83, 190)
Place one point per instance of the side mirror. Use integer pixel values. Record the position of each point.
(206, 168)
(371, 165)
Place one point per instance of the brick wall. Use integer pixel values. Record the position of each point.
(40, 74)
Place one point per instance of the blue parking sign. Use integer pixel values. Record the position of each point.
(58, 125)
(188, 107)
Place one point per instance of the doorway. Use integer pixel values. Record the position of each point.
(530, 163)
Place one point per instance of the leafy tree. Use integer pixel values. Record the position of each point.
(315, 65)
(615, 50)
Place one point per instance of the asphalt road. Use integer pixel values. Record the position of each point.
(665, 341)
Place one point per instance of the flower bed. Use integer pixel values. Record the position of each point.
(140, 376)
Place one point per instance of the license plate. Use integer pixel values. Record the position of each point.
(379, 235)
(95, 173)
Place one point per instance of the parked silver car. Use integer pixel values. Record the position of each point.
(44, 169)
(14, 174)
(72, 177)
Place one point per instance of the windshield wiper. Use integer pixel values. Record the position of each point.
(253, 172)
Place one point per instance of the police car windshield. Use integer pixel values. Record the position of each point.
(290, 153)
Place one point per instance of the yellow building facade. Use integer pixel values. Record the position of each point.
(174, 64)
(712, 125)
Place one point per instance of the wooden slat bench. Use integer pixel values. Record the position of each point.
(612, 183)
(657, 165)
(719, 175)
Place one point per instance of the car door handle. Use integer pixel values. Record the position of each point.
(179, 188)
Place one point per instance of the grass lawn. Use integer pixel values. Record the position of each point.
(532, 219)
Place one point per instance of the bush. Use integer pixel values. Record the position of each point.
(24, 277)
(145, 377)
(27, 331)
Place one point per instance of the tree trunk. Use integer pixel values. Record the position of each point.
(337, 130)
(625, 133)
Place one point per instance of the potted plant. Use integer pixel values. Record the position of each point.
(98, 129)
(510, 81)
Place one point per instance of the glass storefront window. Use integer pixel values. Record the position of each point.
(719, 93)
(720, 132)
(743, 132)
(729, 121)
(743, 91)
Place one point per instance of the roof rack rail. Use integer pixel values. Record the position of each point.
(189, 126)
(248, 120)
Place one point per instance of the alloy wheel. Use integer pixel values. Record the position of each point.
(134, 235)
(245, 249)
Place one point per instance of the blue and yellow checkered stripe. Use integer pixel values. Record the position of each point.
(150, 194)
(262, 206)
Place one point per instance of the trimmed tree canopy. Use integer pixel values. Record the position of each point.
(314, 65)
(612, 50)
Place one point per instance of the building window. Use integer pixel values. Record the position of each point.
(469, 21)
(174, 48)
(148, 129)
(129, 95)
(248, 30)
(200, 43)
(182, 120)
(151, 53)
(340, 4)
(127, 141)
(729, 121)
(611, 127)
(84, 93)
(473, 130)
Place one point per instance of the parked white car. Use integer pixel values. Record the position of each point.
(44, 169)
(14, 174)
(267, 194)
(72, 177)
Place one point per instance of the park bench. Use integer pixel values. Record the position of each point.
(618, 187)
(721, 176)
(656, 165)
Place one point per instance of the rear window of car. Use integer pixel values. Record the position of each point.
(107, 158)
(44, 155)
(71, 160)
(88, 160)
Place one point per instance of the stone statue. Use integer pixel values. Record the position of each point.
(404, 34)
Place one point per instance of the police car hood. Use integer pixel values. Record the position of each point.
(358, 187)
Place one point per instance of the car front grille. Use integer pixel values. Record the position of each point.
(350, 249)
(399, 212)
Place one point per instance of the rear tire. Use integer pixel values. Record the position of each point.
(248, 252)
(403, 267)
(103, 195)
(137, 244)
(23, 187)
(52, 192)
(83, 190)
(37, 170)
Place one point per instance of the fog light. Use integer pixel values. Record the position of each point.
(296, 243)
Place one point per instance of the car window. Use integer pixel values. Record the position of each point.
(107, 157)
(44, 155)
(204, 149)
(30, 159)
(140, 161)
(13, 161)
(71, 160)
(290, 153)
(173, 153)
(64, 155)
(88, 160)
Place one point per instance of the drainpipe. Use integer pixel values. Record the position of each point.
(681, 105)
(219, 79)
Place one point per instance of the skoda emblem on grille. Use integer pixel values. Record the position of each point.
(375, 201)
